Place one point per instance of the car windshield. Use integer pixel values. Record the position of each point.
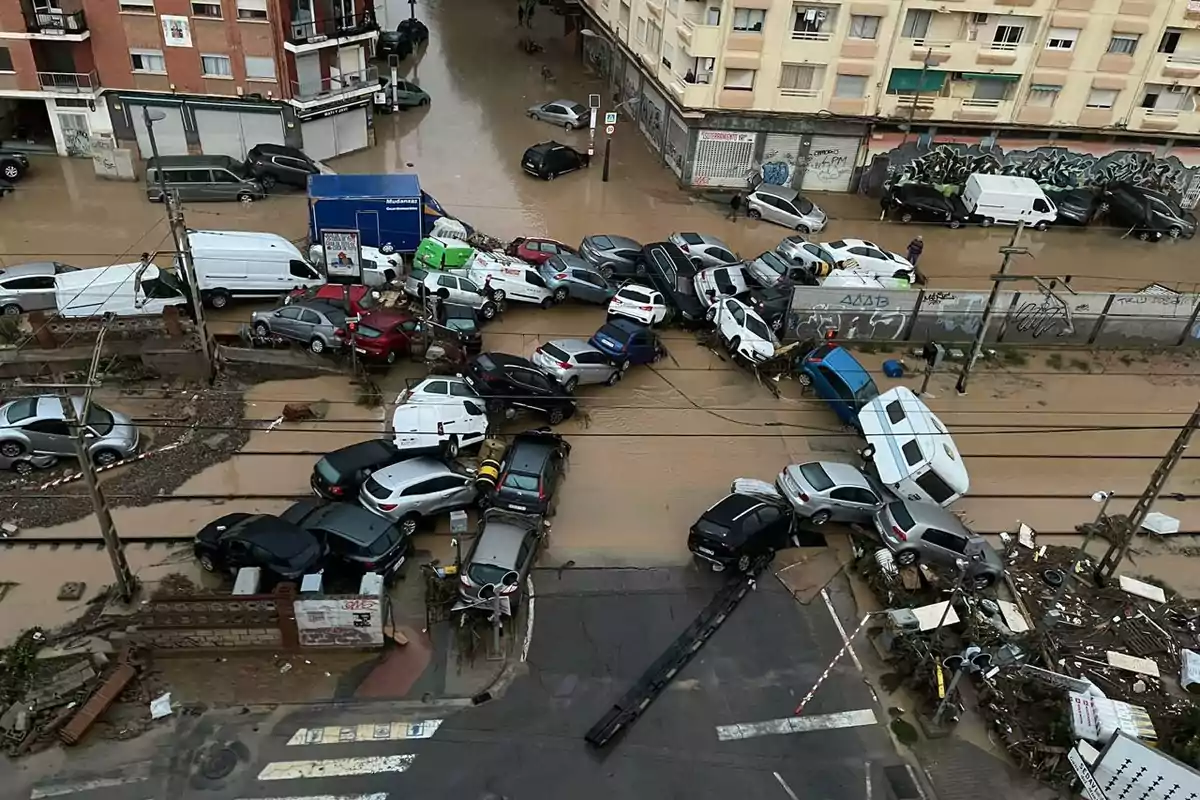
(367, 332)
(20, 409)
(578, 108)
(816, 476)
(99, 419)
(755, 326)
(376, 489)
(774, 263)
(900, 513)
(804, 205)
(520, 482)
(368, 300)
(164, 286)
(483, 574)
(614, 332)
(463, 325)
(485, 363)
(326, 471)
(603, 242)
(388, 538)
(556, 353)
(825, 255)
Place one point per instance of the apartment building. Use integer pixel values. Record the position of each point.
(812, 93)
(219, 75)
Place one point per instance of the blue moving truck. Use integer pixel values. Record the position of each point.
(386, 210)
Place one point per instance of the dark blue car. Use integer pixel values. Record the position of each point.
(627, 343)
(837, 378)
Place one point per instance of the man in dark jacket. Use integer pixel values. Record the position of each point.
(915, 248)
(735, 205)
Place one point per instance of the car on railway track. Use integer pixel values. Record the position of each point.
(823, 491)
(36, 426)
(915, 531)
(229, 543)
(340, 474)
(352, 535)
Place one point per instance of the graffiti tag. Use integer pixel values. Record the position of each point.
(1037, 319)
(865, 301)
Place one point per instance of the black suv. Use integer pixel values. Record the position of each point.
(394, 43)
(1075, 206)
(276, 163)
(530, 472)
(416, 31)
(1147, 213)
(364, 541)
(340, 474)
(548, 160)
(463, 322)
(673, 274)
(914, 202)
(740, 528)
(507, 381)
(13, 164)
(258, 540)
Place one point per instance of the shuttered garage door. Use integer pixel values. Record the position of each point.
(779, 158)
(225, 132)
(723, 158)
(168, 132)
(334, 135)
(830, 164)
(351, 130)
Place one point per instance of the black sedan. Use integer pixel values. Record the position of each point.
(1075, 206)
(416, 31)
(393, 43)
(342, 473)
(740, 528)
(771, 303)
(512, 382)
(463, 322)
(258, 540)
(914, 202)
(548, 160)
(355, 536)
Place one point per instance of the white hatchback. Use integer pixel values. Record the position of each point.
(869, 257)
(638, 303)
(439, 428)
(742, 330)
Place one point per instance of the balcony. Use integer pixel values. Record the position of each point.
(699, 41)
(810, 47)
(1161, 119)
(69, 82)
(800, 101)
(692, 95)
(963, 56)
(305, 36)
(52, 23)
(972, 109)
(1178, 67)
(345, 85)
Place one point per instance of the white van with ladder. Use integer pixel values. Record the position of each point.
(910, 449)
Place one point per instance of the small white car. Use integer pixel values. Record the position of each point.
(639, 304)
(742, 330)
(438, 389)
(870, 257)
(439, 428)
(716, 282)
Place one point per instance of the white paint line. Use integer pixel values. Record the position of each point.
(529, 621)
(912, 773)
(375, 796)
(786, 788)
(335, 767)
(366, 732)
(60, 789)
(841, 629)
(816, 722)
(870, 787)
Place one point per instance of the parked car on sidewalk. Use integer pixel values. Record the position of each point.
(537, 251)
(340, 474)
(36, 426)
(612, 256)
(704, 250)
(508, 381)
(573, 362)
(438, 389)
(915, 202)
(410, 491)
(500, 557)
(276, 164)
(1149, 214)
(740, 528)
(714, 283)
(276, 546)
(353, 535)
(569, 276)
(439, 428)
(566, 114)
(319, 325)
(785, 206)
(870, 257)
(627, 343)
(743, 331)
(836, 377)
(13, 164)
(1074, 206)
(362, 298)
(548, 160)
(385, 335)
(30, 287)
(917, 532)
(640, 304)
(823, 491)
(670, 271)
(530, 472)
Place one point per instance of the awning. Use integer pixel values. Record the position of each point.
(990, 76)
(904, 81)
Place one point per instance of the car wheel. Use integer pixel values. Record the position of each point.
(984, 581)
(207, 564)
(424, 102)
(777, 324)
(11, 449)
(803, 229)
(867, 453)
(955, 224)
(12, 310)
(906, 217)
(218, 298)
(316, 346)
(754, 213)
(906, 558)
(1041, 225)
(488, 310)
(606, 271)
(571, 383)
(1175, 232)
(734, 343)
(743, 562)
(711, 314)
(819, 518)
(550, 176)
(532, 115)
(261, 330)
(105, 458)
(570, 126)
(452, 447)
(443, 293)
(804, 379)
(409, 524)
(1103, 208)
(547, 303)
(23, 468)
(499, 295)
(560, 294)
(556, 415)
(614, 377)
(391, 357)
(1143, 236)
(268, 182)
(245, 197)
(987, 222)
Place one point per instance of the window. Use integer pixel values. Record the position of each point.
(991, 90)
(895, 411)
(640, 30)
(938, 490)
(1008, 35)
(1123, 43)
(793, 77)
(847, 86)
(742, 79)
(1061, 38)
(1170, 40)
(653, 36)
(812, 20)
(148, 61)
(225, 176)
(252, 9)
(863, 27)
(916, 24)
(137, 6)
(260, 68)
(310, 317)
(1043, 95)
(36, 282)
(749, 19)
(1102, 98)
(211, 10)
(299, 269)
(216, 66)
(49, 427)
(6, 64)
(912, 453)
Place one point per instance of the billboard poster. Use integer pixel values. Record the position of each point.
(177, 31)
(340, 251)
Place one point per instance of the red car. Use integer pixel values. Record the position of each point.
(384, 334)
(361, 298)
(535, 251)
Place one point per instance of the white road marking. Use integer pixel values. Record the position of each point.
(375, 796)
(870, 787)
(912, 773)
(529, 621)
(335, 767)
(60, 789)
(367, 732)
(786, 788)
(816, 722)
(840, 629)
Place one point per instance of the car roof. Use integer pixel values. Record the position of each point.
(430, 378)
(281, 538)
(702, 239)
(617, 242)
(627, 325)
(570, 261)
(353, 523)
(499, 542)
(371, 451)
(572, 346)
(278, 149)
(843, 474)
(563, 102)
(26, 270)
(731, 507)
(411, 470)
(850, 243)
(506, 360)
(457, 311)
(841, 361)
(786, 192)
(935, 517)
(322, 307)
(384, 317)
(528, 454)
(917, 188)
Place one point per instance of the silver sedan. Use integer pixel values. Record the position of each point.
(574, 361)
(564, 113)
(828, 490)
(704, 250)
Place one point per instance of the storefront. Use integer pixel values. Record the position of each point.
(336, 130)
(723, 159)
(677, 144)
(200, 124)
(830, 163)
(652, 115)
(169, 134)
(232, 132)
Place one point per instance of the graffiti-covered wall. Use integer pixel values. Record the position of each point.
(950, 163)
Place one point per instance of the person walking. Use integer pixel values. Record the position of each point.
(915, 248)
(735, 205)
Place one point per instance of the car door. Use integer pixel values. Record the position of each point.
(589, 286)
(534, 285)
(851, 503)
(35, 292)
(467, 294)
(769, 529)
(594, 367)
(720, 255)
(286, 322)
(450, 492)
(447, 285)
(421, 496)
(238, 553)
(49, 436)
(309, 324)
(294, 172)
(835, 391)
(732, 320)
(943, 545)
(553, 112)
(640, 350)
(534, 388)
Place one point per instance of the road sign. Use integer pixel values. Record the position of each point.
(610, 118)
(593, 101)
(609, 129)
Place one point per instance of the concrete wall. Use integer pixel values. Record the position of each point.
(1024, 317)
(352, 621)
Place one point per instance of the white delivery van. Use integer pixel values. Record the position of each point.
(245, 264)
(1008, 199)
(910, 449)
(126, 290)
(511, 277)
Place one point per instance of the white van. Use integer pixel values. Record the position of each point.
(511, 278)
(1008, 199)
(126, 290)
(379, 267)
(244, 264)
(910, 449)
(439, 428)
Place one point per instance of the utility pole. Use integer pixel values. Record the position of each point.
(77, 422)
(183, 247)
(1133, 523)
(989, 310)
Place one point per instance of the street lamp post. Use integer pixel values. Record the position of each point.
(926, 63)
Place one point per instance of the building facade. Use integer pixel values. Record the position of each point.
(841, 95)
(219, 75)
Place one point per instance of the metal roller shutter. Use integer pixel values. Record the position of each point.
(226, 132)
(168, 132)
(351, 131)
(677, 142)
(723, 158)
(652, 115)
(261, 128)
(779, 158)
(632, 80)
(830, 164)
(320, 138)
